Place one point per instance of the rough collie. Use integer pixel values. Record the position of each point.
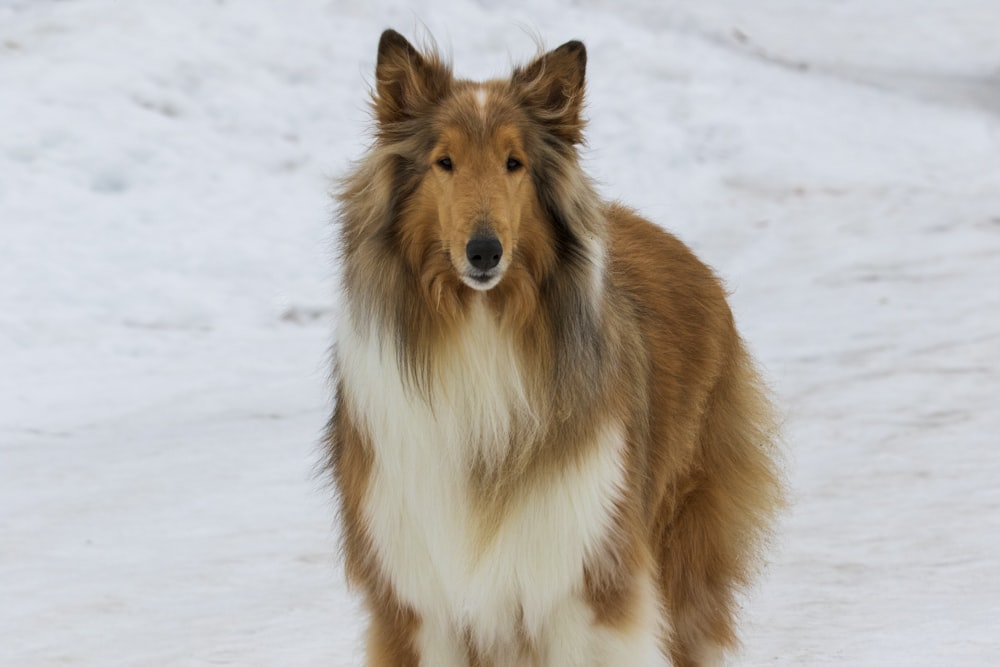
(549, 444)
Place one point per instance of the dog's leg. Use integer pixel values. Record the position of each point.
(635, 636)
(391, 634)
(631, 634)
(440, 646)
(700, 576)
(566, 638)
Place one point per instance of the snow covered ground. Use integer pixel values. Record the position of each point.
(166, 303)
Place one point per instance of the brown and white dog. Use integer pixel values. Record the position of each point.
(549, 444)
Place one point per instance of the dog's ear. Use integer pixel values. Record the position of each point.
(406, 81)
(552, 87)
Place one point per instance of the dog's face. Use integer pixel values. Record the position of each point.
(474, 154)
(477, 180)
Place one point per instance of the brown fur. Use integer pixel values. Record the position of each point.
(651, 344)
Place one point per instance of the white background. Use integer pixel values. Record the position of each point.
(167, 303)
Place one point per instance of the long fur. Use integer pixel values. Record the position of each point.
(571, 465)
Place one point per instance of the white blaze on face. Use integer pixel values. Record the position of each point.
(480, 95)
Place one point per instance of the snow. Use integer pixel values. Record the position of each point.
(167, 282)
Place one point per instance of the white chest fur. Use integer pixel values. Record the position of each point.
(421, 520)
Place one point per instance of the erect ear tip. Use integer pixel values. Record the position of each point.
(573, 45)
(390, 36)
(575, 48)
(574, 55)
(392, 41)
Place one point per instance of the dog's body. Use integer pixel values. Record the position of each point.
(549, 443)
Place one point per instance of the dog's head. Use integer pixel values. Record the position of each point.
(476, 162)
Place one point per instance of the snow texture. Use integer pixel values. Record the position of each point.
(167, 281)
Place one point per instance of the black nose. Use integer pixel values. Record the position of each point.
(484, 252)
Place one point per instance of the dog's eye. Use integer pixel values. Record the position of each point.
(445, 163)
(513, 164)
